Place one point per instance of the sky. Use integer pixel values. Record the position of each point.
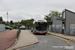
(26, 9)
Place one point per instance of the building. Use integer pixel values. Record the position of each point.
(69, 24)
(56, 25)
(2, 26)
(64, 24)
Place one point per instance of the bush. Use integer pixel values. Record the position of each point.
(14, 26)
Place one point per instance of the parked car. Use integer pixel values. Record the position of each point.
(7, 27)
(22, 27)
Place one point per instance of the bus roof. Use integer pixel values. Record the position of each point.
(39, 21)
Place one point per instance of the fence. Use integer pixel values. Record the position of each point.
(72, 29)
(59, 30)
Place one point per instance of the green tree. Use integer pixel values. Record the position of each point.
(57, 13)
(48, 16)
(1, 19)
(25, 22)
(7, 23)
(1, 22)
(11, 22)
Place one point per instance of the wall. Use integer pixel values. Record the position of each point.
(2, 27)
(56, 23)
(70, 19)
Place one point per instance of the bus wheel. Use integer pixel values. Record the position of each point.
(34, 33)
(44, 34)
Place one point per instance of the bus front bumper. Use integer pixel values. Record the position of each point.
(40, 32)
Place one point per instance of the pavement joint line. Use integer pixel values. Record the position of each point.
(69, 40)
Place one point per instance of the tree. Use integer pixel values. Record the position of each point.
(7, 23)
(1, 22)
(11, 22)
(48, 16)
(27, 22)
(1, 19)
(57, 13)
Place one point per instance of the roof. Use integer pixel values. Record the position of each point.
(55, 15)
(69, 11)
(39, 21)
(59, 18)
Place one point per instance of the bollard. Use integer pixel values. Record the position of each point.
(18, 32)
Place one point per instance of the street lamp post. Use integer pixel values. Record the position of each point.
(7, 17)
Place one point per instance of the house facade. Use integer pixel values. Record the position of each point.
(56, 24)
(69, 23)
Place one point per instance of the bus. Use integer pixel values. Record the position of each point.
(40, 27)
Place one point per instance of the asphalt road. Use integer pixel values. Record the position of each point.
(48, 42)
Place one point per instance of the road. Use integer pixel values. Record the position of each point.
(48, 42)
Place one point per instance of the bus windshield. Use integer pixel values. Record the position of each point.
(41, 26)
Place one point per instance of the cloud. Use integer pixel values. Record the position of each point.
(26, 9)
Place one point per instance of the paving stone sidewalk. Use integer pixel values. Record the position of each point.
(25, 39)
(68, 37)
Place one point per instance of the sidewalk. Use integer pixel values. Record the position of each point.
(25, 39)
(67, 37)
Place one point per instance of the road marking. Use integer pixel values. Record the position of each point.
(43, 41)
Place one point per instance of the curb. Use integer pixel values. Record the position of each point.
(12, 45)
(61, 37)
(70, 40)
(26, 46)
(22, 46)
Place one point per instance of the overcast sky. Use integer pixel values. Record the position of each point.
(26, 9)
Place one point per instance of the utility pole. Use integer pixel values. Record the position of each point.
(7, 17)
